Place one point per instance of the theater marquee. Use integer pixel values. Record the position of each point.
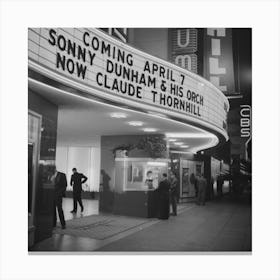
(115, 70)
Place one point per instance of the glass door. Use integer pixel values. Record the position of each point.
(189, 169)
(34, 135)
(30, 176)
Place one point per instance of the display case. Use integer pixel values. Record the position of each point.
(139, 174)
(136, 183)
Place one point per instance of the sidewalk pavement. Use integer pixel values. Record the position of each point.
(219, 226)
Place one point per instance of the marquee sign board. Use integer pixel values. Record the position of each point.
(117, 71)
(118, 33)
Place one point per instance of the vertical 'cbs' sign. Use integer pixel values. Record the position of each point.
(218, 59)
(184, 48)
(245, 126)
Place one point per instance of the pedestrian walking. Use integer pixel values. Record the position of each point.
(173, 192)
(202, 185)
(77, 179)
(60, 183)
(163, 192)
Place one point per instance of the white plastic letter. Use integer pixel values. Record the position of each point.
(216, 46)
(184, 61)
(214, 67)
(179, 39)
(216, 82)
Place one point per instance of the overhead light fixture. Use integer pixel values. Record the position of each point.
(181, 152)
(191, 135)
(135, 123)
(178, 143)
(156, 163)
(148, 129)
(118, 115)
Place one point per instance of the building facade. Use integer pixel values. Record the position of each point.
(119, 114)
(224, 57)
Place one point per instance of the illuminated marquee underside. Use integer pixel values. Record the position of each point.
(114, 71)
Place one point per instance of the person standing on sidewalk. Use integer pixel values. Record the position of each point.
(163, 192)
(77, 179)
(173, 192)
(60, 183)
(220, 183)
(202, 185)
(211, 195)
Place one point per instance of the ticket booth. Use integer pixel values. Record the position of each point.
(136, 184)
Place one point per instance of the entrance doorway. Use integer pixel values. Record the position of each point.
(92, 136)
(87, 161)
(188, 171)
(34, 132)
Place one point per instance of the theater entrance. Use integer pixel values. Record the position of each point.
(117, 129)
(113, 146)
(189, 170)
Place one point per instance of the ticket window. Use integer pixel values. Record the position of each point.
(134, 174)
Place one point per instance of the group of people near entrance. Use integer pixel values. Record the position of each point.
(168, 194)
(60, 183)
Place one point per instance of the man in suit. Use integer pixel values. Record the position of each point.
(220, 183)
(173, 192)
(60, 184)
(163, 192)
(202, 185)
(77, 179)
